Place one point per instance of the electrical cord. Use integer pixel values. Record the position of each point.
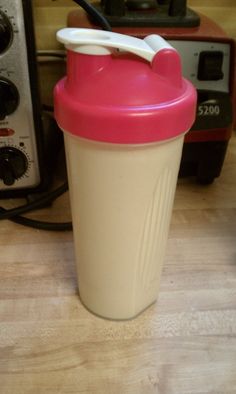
(14, 213)
(95, 14)
(39, 203)
(38, 224)
(52, 53)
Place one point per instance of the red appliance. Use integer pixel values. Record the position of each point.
(208, 62)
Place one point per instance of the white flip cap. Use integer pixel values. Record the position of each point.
(100, 42)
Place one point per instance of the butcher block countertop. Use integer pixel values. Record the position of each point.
(184, 344)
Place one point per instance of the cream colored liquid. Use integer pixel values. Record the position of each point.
(121, 199)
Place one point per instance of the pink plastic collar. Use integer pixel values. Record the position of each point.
(123, 99)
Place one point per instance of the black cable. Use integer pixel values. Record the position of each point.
(13, 214)
(95, 14)
(41, 225)
(51, 54)
(39, 203)
(49, 226)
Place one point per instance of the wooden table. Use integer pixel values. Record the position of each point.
(184, 344)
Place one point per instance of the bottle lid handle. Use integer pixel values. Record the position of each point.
(99, 42)
(74, 38)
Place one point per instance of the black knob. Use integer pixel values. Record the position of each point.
(9, 98)
(13, 164)
(6, 32)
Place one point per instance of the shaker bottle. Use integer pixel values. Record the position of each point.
(124, 109)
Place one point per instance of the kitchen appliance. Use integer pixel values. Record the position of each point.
(22, 160)
(207, 60)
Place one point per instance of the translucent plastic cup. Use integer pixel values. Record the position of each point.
(121, 200)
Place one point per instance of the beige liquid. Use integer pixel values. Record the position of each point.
(121, 199)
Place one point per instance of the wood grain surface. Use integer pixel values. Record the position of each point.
(184, 344)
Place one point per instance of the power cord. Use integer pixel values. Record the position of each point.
(38, 224)
(58, 54)
(14, 213)
(94, 13)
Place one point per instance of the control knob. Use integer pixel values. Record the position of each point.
(6, 32)
(13, 164)
(9, 98)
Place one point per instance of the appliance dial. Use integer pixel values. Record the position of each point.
(9, 98)
(13, 164)
(6, 32)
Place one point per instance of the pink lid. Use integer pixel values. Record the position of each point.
(121, 98)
